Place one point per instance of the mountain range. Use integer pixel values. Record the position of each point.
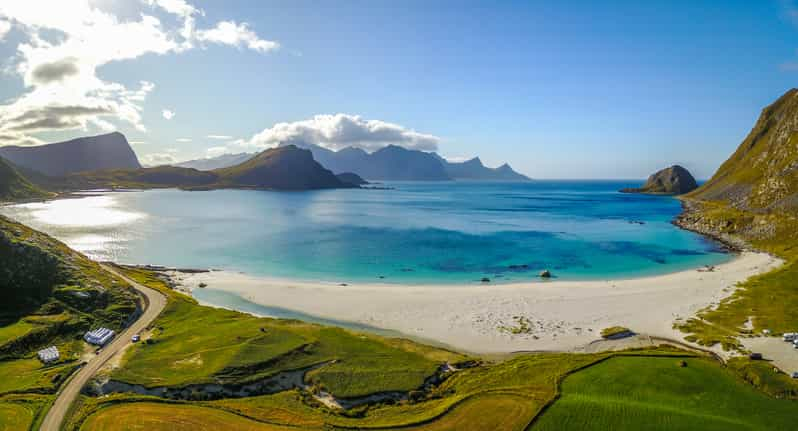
(283, 168)
(109, 151)
(391, 163)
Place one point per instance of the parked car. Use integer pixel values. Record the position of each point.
(795, 375)
(135, 338)
(755, 356)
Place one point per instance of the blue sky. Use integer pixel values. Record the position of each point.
(565, 89)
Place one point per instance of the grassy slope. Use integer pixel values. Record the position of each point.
(629, 393)
(14, 186)
(144, 178)
(631, 390)
(198, 344)
(752, 198)
(38, 276)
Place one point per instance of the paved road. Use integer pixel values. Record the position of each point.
(155, 304)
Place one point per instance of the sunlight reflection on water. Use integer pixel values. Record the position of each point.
(94, 211)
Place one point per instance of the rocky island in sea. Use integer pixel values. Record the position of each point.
(674, 180)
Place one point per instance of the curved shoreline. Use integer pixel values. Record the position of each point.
(559, 315)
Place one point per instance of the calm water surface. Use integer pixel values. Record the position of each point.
(419, 232)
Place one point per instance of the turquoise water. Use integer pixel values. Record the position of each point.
(418, 232)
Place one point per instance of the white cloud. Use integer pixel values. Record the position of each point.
(177, 7)
(183, 139)
(343, 130)
(216, 152)
(5, 27)
(236, 34)
(219, 137)
(66, 42)
(167, 157)
(168, 114)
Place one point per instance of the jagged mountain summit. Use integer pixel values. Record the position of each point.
(390, 163)
(474, 169)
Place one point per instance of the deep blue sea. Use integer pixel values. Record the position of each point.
(449, 232)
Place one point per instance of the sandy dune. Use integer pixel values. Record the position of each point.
(559, 315)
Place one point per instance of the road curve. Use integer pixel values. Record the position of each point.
(154, 304)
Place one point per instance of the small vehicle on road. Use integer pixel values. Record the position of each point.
(136, 338)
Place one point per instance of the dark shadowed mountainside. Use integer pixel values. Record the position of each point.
(109, 151)
(14, 186)
(351, 178)
(281, 168)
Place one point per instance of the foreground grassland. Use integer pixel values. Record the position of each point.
(22, 412)
(659, 389)
(49, 295)
(657, 394)
(194, 344)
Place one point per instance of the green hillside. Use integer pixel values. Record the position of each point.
(763, 173)
(752, 201)
(282, 168)
(14, 186)
(49, 295)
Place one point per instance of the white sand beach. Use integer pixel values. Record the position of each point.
(560, 315)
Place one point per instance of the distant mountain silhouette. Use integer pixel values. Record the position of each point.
(474, 170)
(211, 163)
(284, 168)
(109, 151)
(390, 163)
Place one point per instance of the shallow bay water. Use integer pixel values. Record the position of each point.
(447, 232)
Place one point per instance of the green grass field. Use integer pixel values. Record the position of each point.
(21, 412)
(196, 344)
(634, 393)
(15, 417)
(25, 375)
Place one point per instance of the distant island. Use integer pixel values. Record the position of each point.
(674, 180)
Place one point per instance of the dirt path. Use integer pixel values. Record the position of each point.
(154, 304)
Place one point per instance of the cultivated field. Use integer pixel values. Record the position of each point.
(658, 394)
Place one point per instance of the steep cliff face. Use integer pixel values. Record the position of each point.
(753, 197)
(91, 153)
(763, 173)
(674, 180)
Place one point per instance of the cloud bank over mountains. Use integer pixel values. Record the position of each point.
(338, 131)
(61, 50)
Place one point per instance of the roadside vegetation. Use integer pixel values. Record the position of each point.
(49, 295)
